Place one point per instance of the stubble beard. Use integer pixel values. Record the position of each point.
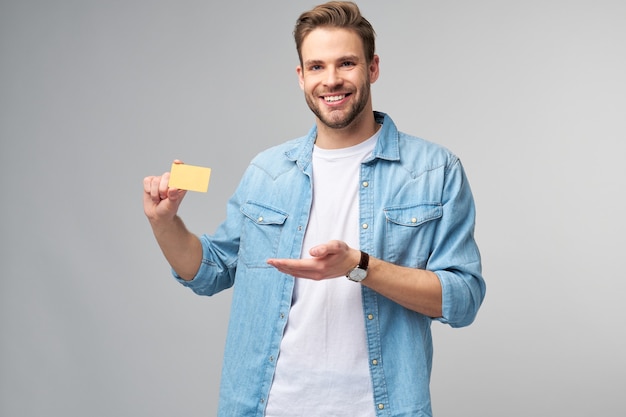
(334, 119)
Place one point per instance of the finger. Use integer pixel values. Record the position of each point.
(333, 247)
(326, 249)
(154, 189)
(175, 194)
(147, 182)
(163, 185)
(318, 251)
(283, 265)
(296, 267)
(147, 188)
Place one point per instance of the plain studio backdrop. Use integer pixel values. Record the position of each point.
(95, 95)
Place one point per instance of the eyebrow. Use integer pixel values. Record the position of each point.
(344, 58)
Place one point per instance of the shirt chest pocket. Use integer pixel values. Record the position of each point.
(409, 232)
(261, 233)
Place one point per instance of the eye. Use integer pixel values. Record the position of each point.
(315, 67)
(348, 64)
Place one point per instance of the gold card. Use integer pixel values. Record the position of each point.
(189, 177)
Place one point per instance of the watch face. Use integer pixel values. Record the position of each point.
(357, 274)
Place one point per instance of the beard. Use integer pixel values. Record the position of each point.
(339, 119)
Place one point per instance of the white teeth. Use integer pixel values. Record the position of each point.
(334, 98)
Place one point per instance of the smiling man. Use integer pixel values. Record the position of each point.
(342, 247)
(336, 75)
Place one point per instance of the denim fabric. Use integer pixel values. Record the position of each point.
(416, 210)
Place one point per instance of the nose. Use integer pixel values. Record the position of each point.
(333, 77)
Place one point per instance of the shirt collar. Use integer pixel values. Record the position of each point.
(387, 146)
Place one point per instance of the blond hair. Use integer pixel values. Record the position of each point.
(336, 14)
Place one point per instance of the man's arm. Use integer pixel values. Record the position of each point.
(416, 289)
(181, 248)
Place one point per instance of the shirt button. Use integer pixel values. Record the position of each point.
(374, 362)
(364, 226)
(381, 406)
(366, 184)
(370, 317)
(260, 219)
(413, 220)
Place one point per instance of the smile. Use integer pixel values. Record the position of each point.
(332, 99)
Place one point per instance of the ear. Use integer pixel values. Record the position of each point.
(374, 69)
(300, 76)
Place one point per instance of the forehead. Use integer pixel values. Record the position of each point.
(326, 44)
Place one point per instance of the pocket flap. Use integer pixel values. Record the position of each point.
(413, 215)
(263, 214)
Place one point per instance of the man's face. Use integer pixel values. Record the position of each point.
(335, 76)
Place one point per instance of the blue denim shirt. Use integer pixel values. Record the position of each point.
(416, 210)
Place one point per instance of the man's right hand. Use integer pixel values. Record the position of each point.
(160, 203)
(181, 248)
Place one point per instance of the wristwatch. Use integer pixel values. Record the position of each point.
(359, 272)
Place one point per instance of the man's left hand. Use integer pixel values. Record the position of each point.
(329, 260)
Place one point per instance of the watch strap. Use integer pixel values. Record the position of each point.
(364, 262)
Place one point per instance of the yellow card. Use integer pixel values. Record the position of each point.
(189, 177)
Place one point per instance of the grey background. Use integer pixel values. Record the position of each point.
(95, 95)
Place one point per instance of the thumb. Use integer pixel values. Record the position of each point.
(176, 195)
(318, 251)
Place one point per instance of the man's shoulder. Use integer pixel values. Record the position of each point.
(408, 148)
(418, 142)
(417, 149)
(278, 159)
(280, 152)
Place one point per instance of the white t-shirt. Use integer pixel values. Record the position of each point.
(322, 368)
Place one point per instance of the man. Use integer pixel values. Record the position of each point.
(354, 198)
